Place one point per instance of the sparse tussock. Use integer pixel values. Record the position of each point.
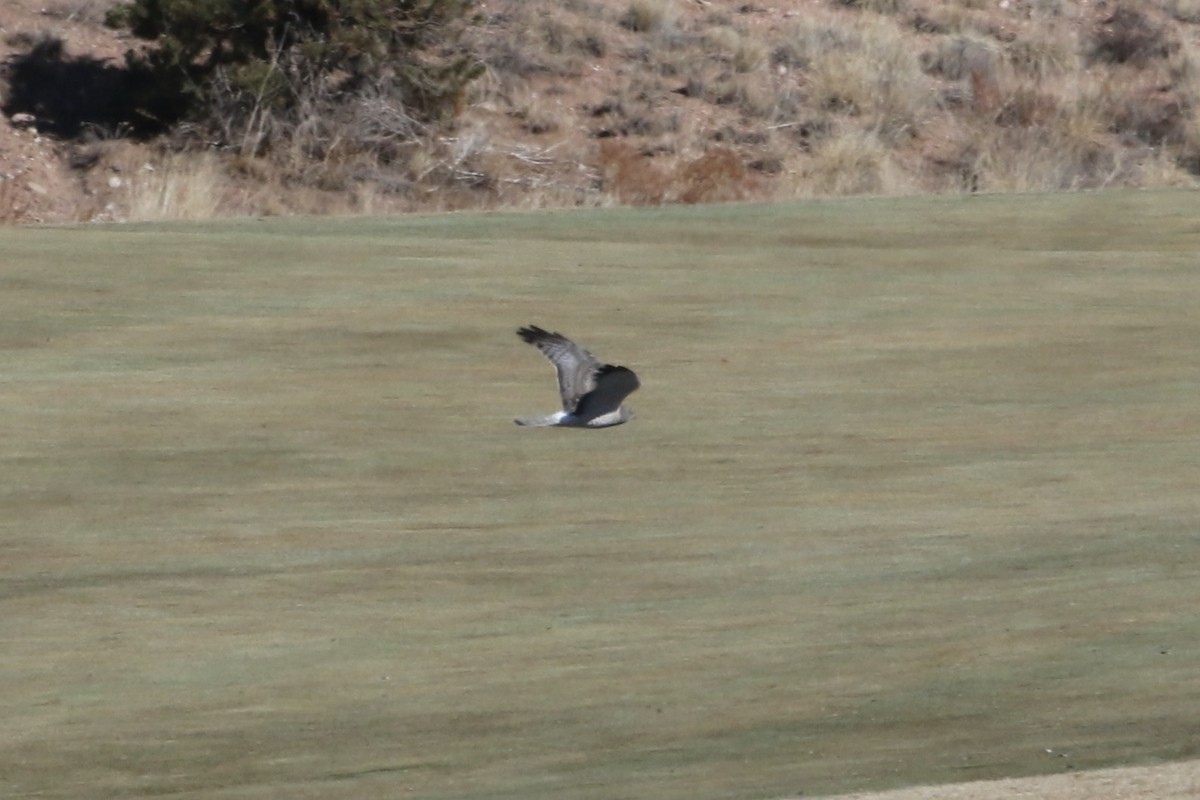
(1024, 106)
(1044, 158)
(1130, 36)
(1082, 116)
(852, 164)
(650, 16)
(867, 71)
(742, 53)
(1043, 56)
(957, 57)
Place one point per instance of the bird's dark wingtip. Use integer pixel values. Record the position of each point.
(531, 333)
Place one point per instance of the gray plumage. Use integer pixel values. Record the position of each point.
(593, 393)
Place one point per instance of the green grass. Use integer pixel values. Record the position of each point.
(911, 497)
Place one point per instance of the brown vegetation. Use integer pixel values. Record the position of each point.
(593, 102)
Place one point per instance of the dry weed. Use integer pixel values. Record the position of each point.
(181, 186)
(866, 70)
(1130, 36)
(1043, 55)
(1182, 71)
(630, 175)
(1043, 159)
(957, 57)
(855, 163)
(1167, 170)
(650, 16)
(950, 18)
(1082, 119)
(742, 53)
(717, 176)
(1026, 105)
(1137, 104)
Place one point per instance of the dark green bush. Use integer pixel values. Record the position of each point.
(227, 64)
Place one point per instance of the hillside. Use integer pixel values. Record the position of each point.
(596, 102)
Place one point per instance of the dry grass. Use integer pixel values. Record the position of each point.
(863, 69)
(1043, 158)
(188, 186)
(932, 520)
(847, 165)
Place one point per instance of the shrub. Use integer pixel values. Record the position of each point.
(717, 176)
(630, 175)
(649, 16)
(878, 6)
(957, 57)
(245, 60)
(1128, 35)
(1042, 56)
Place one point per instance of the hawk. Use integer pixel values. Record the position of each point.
(592, 393)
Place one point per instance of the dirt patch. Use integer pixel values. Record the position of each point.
(37, 182)
(1163, 782)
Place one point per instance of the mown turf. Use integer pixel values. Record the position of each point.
(911, 497)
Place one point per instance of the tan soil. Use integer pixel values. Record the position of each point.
(1163, 782)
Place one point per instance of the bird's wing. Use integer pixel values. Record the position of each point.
(613, 385)
(575, 366)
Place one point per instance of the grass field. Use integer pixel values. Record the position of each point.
(912, 496)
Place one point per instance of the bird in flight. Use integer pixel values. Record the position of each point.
(592, 393)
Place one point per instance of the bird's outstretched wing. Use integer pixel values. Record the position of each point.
(576, 368)
(613, 385)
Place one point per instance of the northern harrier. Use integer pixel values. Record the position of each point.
(592, 393)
